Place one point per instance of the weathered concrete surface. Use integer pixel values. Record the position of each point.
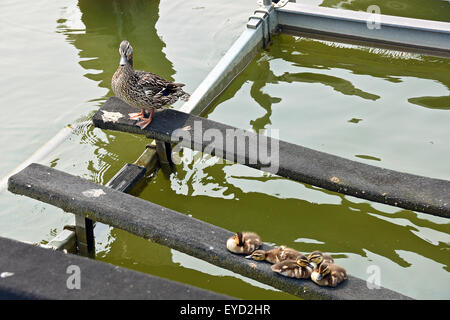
(37, 273)
(294, 162)
(170, 228)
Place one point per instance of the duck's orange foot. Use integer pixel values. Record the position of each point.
(146, 121)
(137, 115)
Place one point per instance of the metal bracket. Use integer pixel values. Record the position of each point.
(262, 15)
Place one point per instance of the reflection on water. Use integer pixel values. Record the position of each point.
(325, 58)
(363, 156)
(106, 24)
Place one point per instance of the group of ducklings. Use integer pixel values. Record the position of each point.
(288, 262)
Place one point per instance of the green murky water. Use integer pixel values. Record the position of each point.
(380, 107)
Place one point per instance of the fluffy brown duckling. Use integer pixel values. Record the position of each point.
(275, 255)
(328, 274)
(244, 242)
(318, 257)
(300, 268)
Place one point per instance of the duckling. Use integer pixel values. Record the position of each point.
(328, 274)
(275, 255)
(318, 257)
(141, 89)
(244, 242)
(300, 268)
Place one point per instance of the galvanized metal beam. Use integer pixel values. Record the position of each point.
(288, 160)
(423, 36)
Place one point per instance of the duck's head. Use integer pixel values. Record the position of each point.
(257, 255)
(126, 53)
(322, 271)
(304, 262)
(316, 257)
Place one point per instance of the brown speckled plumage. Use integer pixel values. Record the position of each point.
(141, 89)
(328, 275)
(293, 268)
(275, 255)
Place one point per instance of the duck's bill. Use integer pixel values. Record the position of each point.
(123, 60)
(248, 257)
(319, 277)
(312, 266)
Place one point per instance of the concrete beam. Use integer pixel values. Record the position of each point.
(31, 272)
(241, 53)
(170, 228)
(288, 160)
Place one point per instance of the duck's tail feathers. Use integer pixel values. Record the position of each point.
(185, 96)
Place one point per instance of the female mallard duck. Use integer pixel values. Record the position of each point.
(275, 255)
(141, 89)
(300, 268)
(317, 257)
(328, 275)
(244, 242)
